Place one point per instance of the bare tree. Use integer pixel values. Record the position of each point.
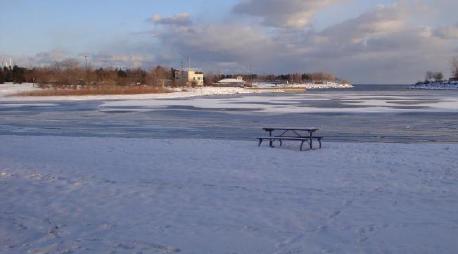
(455, 67)
(438, 76)
(429, 76)
(69, 63)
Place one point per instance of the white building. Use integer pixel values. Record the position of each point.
(189, 77)
(231, 82)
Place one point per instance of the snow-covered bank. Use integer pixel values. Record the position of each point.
(309, 86)
(8, 90)
(90, 195)
(437, 86)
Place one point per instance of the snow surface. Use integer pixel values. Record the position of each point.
(326, 85)
(293, 103)
(9, 89)
(110, 195)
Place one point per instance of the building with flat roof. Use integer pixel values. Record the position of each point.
(231, 82)
(189, 77)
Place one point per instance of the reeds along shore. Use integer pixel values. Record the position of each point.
(97, 90)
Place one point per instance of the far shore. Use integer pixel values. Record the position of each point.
(29, 91)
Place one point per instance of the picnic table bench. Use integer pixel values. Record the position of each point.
(301, 135)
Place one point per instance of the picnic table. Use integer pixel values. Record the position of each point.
(291, 134)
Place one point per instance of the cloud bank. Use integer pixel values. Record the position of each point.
(281, 13)
(181, 19)
(394, 43)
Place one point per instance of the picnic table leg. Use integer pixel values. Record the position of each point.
(271, 142)
(311, 140)
(260, 141)
(302, 145)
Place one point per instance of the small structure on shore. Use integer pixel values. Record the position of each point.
(189, 77)
(231, 82)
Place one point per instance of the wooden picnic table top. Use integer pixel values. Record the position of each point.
(309, 129)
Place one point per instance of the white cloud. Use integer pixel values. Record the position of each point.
(181, 19)
(218, 46)
(448, 32)
(387, 44)
(283, 13)
(381, 45)
(39, 59)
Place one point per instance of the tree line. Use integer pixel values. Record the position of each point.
(14, 74)
(439, 76)
(290, 77)
(69, 73)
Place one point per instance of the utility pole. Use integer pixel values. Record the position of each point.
(87, 71)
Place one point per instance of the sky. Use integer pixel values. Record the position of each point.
(364, 41)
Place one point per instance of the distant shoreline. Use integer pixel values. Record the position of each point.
(29, 91)
(448, 85)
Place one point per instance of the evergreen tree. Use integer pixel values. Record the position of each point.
(2, 76)
(8, 74)
(18, 74)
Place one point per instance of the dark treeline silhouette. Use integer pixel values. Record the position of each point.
(291, 77)
(432, 76)
(14, 74)
(67, 74)
(102, 76)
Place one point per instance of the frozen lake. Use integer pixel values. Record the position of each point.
(71, 183)
(364, 114)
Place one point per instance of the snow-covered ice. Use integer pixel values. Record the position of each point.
(111, 195)
(261, 101)
(293, 103)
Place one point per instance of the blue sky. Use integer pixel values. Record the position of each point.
(355, 39)
(85, 24)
